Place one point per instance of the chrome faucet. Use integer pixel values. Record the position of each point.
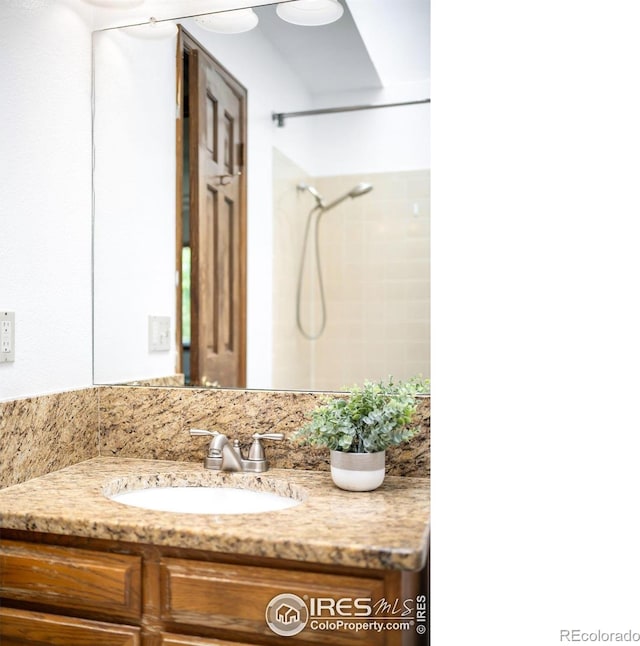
(223, 456)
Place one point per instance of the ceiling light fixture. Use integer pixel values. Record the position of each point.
(229, 22)
(310, 12)
(115, 4)
(153, 30)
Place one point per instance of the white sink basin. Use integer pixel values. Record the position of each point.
(205, 500)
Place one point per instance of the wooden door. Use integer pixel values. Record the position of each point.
(218, 223)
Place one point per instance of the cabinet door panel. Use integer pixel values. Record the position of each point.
(25, 628)
(190, 640)
(235, 598)
(71, 578)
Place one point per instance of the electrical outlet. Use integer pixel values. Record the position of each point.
(7, 337)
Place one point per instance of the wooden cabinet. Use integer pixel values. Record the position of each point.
(60, 591)
(186, 640)
(234, 597)
(99, 583)
(26, 628)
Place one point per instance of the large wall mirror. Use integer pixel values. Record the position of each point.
(333, 259)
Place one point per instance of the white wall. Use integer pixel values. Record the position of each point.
(135, 197)
(45, 203)
(369, 141)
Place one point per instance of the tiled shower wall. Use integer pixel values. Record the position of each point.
(375, 254)
(291, 352)
(43, 434)
(375, 251)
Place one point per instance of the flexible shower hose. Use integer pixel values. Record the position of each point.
(323, 305)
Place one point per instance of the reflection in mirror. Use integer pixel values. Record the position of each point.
(368, 316)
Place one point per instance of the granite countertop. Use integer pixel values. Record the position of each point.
(387, 528)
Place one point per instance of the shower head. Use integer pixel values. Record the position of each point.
(313, 191)
(360, 189)
(356, 191)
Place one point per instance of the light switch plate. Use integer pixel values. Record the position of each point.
(7, 337)
(159, 333)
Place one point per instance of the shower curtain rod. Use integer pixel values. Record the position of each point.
(279, 117)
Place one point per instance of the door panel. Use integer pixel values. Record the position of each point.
(26, 628)
(218, 223)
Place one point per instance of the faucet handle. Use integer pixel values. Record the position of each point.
(268, 436)
(256, 450)
(199, 431)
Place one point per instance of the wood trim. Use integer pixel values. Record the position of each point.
(243, 239)
(179, 188)
(194, 117)
(27, 628)
(169, 639)
(67, 577)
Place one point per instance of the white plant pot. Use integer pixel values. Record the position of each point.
(357, 471)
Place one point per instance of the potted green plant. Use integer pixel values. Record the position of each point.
(357, 429)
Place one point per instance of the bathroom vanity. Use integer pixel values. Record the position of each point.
(80, 568)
